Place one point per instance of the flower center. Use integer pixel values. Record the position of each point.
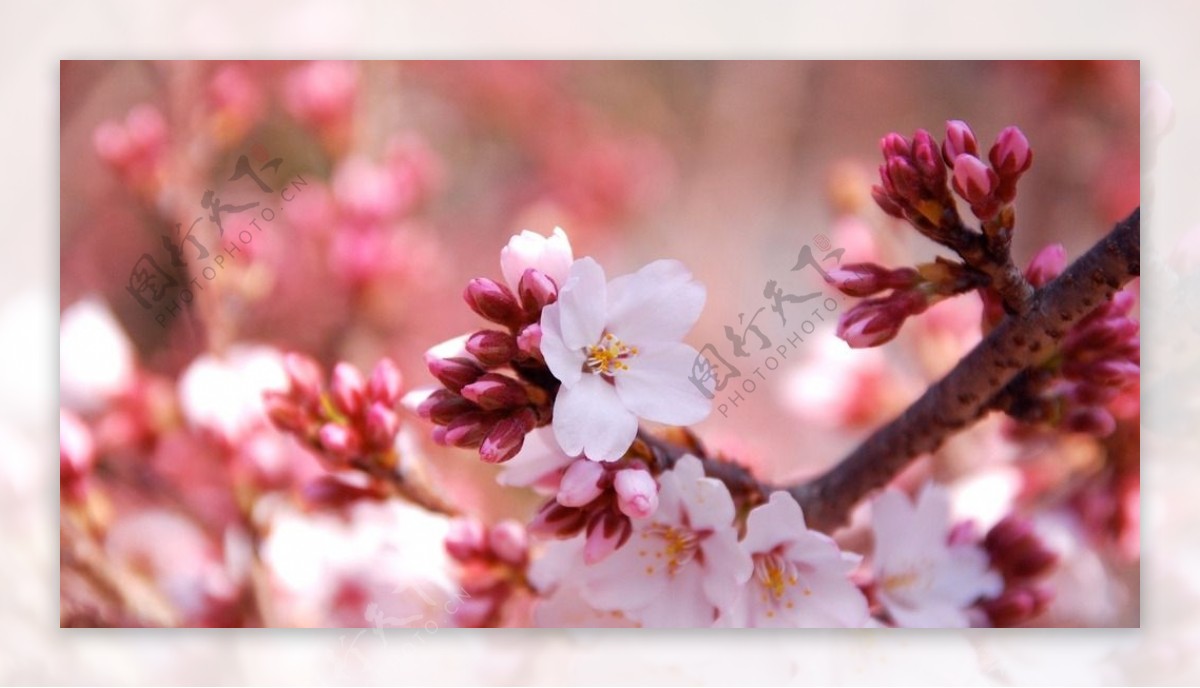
(775, 574)
(680, 545)
(609, 356)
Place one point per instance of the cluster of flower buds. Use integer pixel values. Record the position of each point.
(351, 421)
(492, 565)
(913, 290)
(134, 149)
(480, 407)
(1098, 359)
(914, 173)
(1021, 557)
(599, 499)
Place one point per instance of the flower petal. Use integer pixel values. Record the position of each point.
(657, 386)
(590, 419)
(658, 303)
(583, 304)
(566, 363)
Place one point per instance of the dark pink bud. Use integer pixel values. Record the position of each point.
(960, 140)
(466, 539)
(456, 372)
(506, 438)
(348, 389)
(341, 442)
(904, 179)
(304, 374)
(493, 391)
(556, 520)
(382, 426)
(492, 348)
(536, 291)
(1008, 534)
(868, 279)
(1011, 154)
(386, 382)
(1092, 420)
(468, 430)
(443, 406)
(895, 146)
(1046, 265)
(886, 202)
(928, 161)
(1013, 606)
(509, 542)
(606, 532)
(284, 413)
(973, 180)
(581, 483)
(877, 321)
(1114, 373)
(493, 301)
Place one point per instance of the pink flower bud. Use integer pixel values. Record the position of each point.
(386, 383)
(637, 492)
(466, 539)
(878, 321)
(1046, 265)
(284, 412)
(492, 348)
(556, 520)
(868, 279)
(146, 128)
(509, 542)
(928, 161)
(382, 426)
(536, 291)
(493, 301)
(506, 438)
(886, 202)
(443, 406)
(1011, 154)
(529, 341)
(304, 374)
(973, 180)
(960, 140)
(605, 534)
(1113, 373)
(77, 449)
(454, 373)
(894, 145)
(112, 144)
(341, 442)
(468, 430)
(493, 391)
(903, 179)
(581, 483)
(348, 389)
(1013, 606)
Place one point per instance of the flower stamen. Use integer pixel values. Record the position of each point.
(609, 356)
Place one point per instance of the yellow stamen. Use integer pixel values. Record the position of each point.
(609, 356)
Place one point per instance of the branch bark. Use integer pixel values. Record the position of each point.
(967, 392)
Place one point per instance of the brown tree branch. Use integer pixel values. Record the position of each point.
(967, 392)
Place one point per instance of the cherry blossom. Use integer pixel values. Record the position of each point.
(681, 566)
(801, 578)
(615, 347)
(551, 256)
(925, 581)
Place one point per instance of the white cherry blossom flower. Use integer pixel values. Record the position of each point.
(923, 580)
(615, 346)
(551, 256)
(801, 578)
(681, 566)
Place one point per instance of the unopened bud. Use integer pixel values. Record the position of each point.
(493, 391)
(304, 374)
(466, 539)
(493, 301)
(386, 382)
(605, 534)
(505, 439)
(637, 492)
(1011, 154)
(1046, 265)
(454, 373)
(536, 291)
(581, 483)
(973, 180)
(960, 140)
(509, 542)
(492, 348)
(341, 442)
(443, 406)
(382, 426)
(348, 389)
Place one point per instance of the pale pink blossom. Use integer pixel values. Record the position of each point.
(923, 580)
(615, 347)
(539, 464)
(683, 565)
(551, 256)
(95, 357)
(223, 394)
(801, 578)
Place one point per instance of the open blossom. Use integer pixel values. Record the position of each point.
(615, 347)
(924, 580)
(539, 464)
(550, 256)
(801, 578)
(681, 566)
(96, 358)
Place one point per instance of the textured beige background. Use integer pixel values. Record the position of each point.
(33, 36)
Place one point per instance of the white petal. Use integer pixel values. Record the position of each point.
(779, 520)
(589, 419)
(629, 578)
(539, 457)
(658, 303)
(583, 304)
(566, 363)
(658, 387)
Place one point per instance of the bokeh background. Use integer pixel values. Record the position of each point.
(1161, 654)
